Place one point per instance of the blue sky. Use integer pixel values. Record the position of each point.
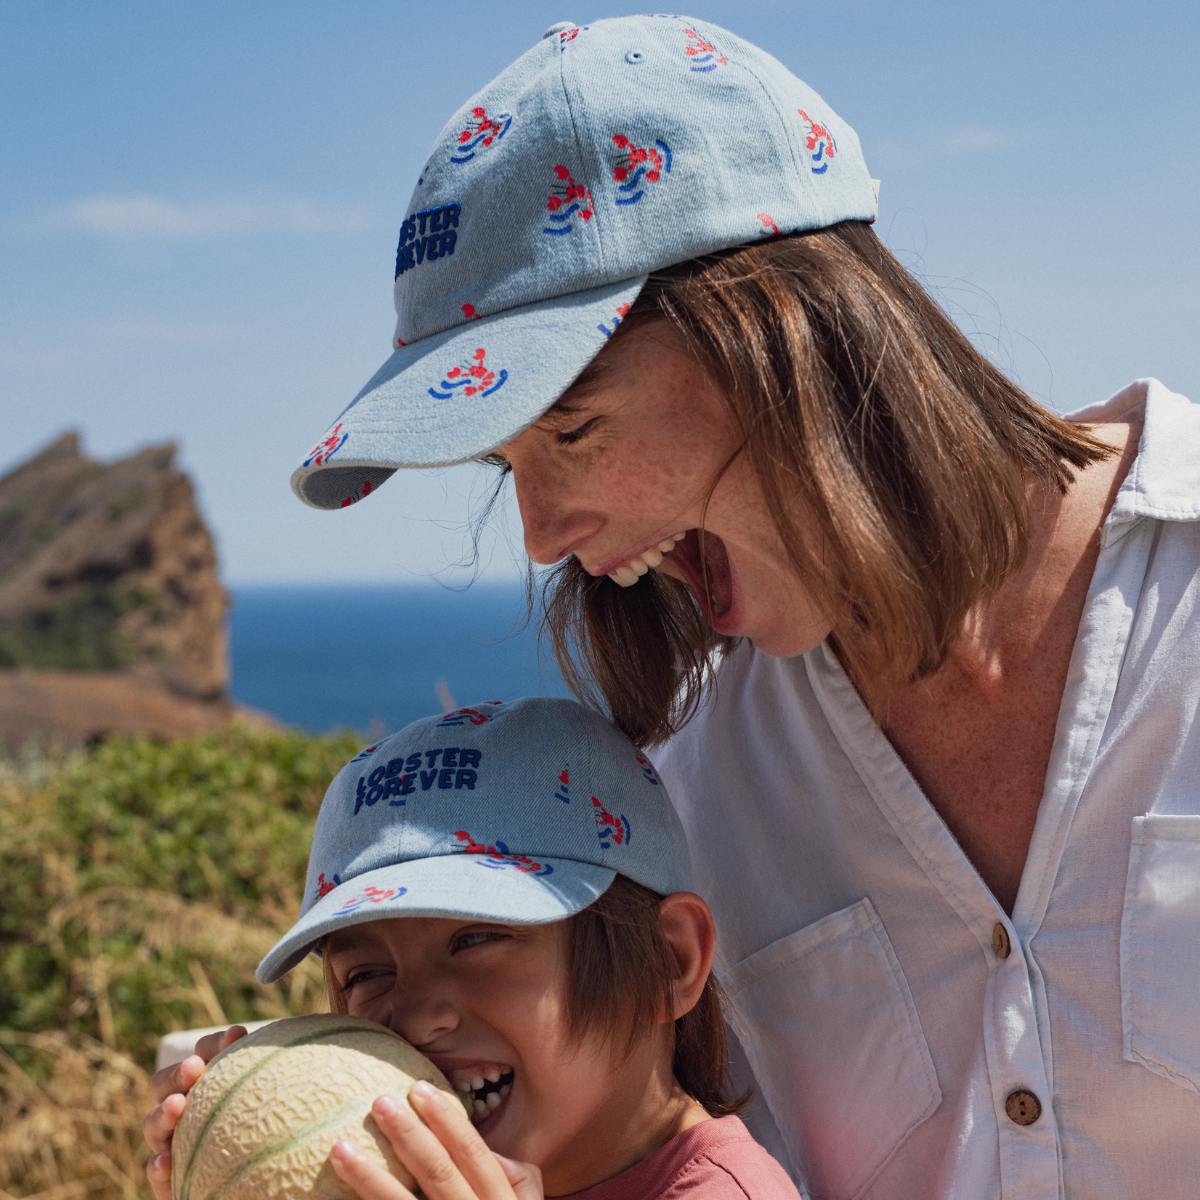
(200, 203)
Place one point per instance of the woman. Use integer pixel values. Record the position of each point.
(940, 786)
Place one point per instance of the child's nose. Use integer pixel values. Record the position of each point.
(423, 1019)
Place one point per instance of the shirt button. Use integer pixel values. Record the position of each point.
(1023, 1107)
(1001, 944)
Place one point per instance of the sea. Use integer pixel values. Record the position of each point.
(373, 658)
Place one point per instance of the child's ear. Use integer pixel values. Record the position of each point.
(687, 926)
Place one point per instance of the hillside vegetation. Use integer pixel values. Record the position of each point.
(140, 884)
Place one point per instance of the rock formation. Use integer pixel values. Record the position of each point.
(109, 589)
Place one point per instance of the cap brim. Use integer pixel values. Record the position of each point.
(469, 887)
(459, 394)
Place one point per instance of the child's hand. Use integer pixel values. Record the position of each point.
(439, 1145)
(170, 1087)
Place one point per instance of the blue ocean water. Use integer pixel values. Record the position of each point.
(374, 658)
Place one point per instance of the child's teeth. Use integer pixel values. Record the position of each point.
(476, 1082)
(666, 546)
(639, 566)
(652, 558)
(463, 1085)
(625, 576)
(490, 1095)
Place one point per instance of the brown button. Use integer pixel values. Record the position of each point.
(1023, 1107)
(1000, 943)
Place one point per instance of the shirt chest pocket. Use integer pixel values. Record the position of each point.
(828, 1024)
(1160, 948)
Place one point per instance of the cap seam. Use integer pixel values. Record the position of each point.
(600, 242)
(783, 125)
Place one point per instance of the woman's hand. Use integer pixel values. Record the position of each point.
(439, 1145)
(170, 1087)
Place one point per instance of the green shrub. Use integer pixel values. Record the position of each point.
(151, 857)
(141, 884)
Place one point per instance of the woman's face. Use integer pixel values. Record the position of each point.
(487, 1004)
(624, 464)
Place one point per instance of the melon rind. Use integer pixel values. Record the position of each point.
(261, 1120)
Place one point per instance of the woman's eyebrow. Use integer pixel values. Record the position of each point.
(588, 379)
(563, 413)
(572, 401)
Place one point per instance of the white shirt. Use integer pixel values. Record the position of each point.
(855, 939)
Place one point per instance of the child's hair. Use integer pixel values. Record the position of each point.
(620, 970)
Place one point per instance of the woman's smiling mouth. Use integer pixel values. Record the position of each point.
(702, 561)
(629, 572)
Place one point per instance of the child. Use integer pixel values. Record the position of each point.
(508, 887)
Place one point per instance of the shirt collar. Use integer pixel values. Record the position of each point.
(1164, 480)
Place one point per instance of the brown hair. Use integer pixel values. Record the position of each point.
(620, 969)
(866, 415)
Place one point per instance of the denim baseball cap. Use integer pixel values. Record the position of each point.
(604, 153)
(518, 813)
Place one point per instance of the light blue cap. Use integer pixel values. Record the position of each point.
(518, 813)
(604, 153)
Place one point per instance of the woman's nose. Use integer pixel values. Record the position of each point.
(554, 521)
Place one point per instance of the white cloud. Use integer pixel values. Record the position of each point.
(94, 340)
(891, 154)
(977, 139)
(149, 216)
(163, 331)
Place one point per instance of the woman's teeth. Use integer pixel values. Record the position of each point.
(629, 573)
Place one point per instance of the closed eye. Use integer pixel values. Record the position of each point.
(475, 937)
(568, 437)
(498, 461)
(356, 978)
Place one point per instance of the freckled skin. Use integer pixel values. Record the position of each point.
(496, 994)
(977, 733)
(642, 473)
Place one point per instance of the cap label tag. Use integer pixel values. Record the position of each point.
(427, 235)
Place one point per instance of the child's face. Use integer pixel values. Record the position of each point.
(486, 1000)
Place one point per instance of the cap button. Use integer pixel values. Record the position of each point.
(558, 27)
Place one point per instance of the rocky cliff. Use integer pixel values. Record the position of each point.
(108, 569)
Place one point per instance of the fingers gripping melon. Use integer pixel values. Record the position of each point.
(262, 1118)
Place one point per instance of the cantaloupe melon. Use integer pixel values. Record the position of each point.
(261, 1120)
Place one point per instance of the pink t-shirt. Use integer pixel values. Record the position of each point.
(715, 1160)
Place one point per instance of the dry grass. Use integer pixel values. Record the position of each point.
(71, 1116)
(78, 1134)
